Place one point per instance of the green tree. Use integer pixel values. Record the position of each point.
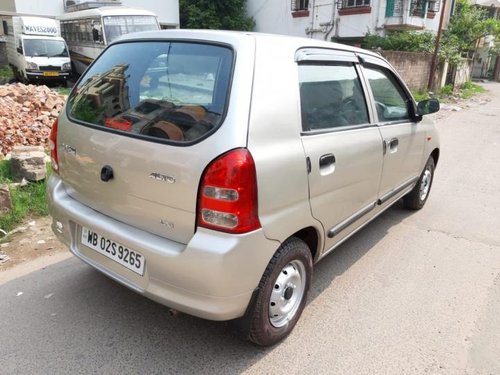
(467, 25)
(215, 14)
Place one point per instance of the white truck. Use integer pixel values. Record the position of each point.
(35, 50)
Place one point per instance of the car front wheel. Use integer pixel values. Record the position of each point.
(416, 198)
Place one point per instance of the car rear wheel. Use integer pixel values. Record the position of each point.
(416, 198)
(282, 294)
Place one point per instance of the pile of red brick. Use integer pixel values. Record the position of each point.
(27, 113)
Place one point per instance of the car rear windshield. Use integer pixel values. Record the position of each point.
(161, 91)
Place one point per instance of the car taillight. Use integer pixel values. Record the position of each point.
(227, 199)
(53, 147)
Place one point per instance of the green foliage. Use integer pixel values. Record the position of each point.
(450, 49)
(28, 200)
(409, 41)
(6, 72)
(84, 110)
(420, 95)
(467, 25)
(469, 89)
(61, 90)
(5, 175)
(446, 90)
(215, 14)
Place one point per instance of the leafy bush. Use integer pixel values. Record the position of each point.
(26, 200)
(6, 72)
(469, 89)
(409, 41)
(446, 90)
(208, 14)
(420, 95)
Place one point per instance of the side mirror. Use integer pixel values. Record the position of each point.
(428, 106)
(20, 50)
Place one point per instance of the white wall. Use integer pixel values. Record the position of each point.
(50, 8)
(275, 17)
(7, 6)
(166, 10)
(355, 25)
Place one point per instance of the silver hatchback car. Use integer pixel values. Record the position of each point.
(210, 170)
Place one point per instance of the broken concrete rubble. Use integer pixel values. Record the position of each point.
(27, 113)
(28, 162)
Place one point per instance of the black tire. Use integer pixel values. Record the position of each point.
(293, 259)
(416, 198)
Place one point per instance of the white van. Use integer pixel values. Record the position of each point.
(35, 50)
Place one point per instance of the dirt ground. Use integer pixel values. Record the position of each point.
(32, 239)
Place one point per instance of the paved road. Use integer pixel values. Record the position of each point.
(412, 293)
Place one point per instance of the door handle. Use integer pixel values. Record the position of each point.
(326, 160)
(326, 164)
(393, 144)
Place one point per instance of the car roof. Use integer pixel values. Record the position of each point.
(240, 36)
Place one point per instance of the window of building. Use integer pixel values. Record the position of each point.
(300, 8)
(347, 7)
(394, 8)
(434, 6)
(353, 3)
(5, 28)
(300, 5)
(331, 97)
(417, 8)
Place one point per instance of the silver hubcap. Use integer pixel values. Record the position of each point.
(287, 294)
(425, 184)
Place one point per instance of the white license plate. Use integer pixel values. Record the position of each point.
(121, 254)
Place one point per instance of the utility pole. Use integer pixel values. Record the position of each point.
(436, 49)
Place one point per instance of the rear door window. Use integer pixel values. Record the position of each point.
(160, 91)
(331, 96)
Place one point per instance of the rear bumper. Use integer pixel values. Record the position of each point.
(212, 277)
(41, 76)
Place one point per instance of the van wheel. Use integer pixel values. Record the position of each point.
(416, 198)
(282, 293)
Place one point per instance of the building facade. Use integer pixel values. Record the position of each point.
(346, 21)
(486, 64)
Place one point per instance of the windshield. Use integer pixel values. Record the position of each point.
(170, 90)
(45, 47)
(114, 26)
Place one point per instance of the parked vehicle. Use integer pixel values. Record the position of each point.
(209, 170)
(89, 31)
(35, 50)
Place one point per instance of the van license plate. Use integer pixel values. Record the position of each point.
(50, 74)
(121, 254)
